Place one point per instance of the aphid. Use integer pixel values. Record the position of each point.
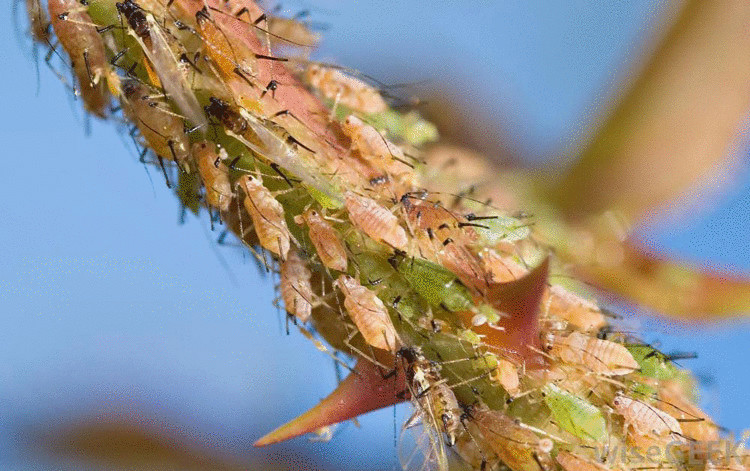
(575, 414)
(341, 88)
(296, 290)
(267, 215)
(571, 462)
(434, 283)
(38, 21)
(579, 312)
(273, 147)
(162, 129)
(506, 374)
(375, 148)
(221, 50)
(645, 420)
(369, 314)
(84, 45)
(600, 356)
(375, 221)
(214, 173)
(500, 269)
(327, 243)
(291, 32)
(516, 446)
(435, 404)
(156, 44)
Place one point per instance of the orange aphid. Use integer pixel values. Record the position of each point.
(296, 290)
(78, 36)
(369, 314)
(267, 215)
(506, 374)
(215, 175)
(375, 221)
(600, 356)
(327, 243)
(499, 268)
(579, 312)
(571, 462)
(513, 444)
(221, 50)
(349, 91)
(645, 420)
(163, 130)
(375, 148)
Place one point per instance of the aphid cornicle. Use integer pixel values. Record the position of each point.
(214, 173)
(341, 88)
(600, 356)
(296, 290)
(79, 37)
(163, 130)
(375, 221)
(369, 314)
(645, 420)
(267, 215)
(327, 243)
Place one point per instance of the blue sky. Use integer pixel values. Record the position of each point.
(107, 299)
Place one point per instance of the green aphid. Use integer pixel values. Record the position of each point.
(574, 414)
(501, 229)
(653, 363)
(435, 284)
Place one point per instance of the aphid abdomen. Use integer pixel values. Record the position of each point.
(369, 314)
(267, 215)
(327, 243)
(375, 221)
(296, 290)
(78, 36)
(446, 409)
(574, 414)
(215, 175)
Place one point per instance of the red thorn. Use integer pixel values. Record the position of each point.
(520, 300)
(363, 391)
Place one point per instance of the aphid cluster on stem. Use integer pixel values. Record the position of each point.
(442, 296)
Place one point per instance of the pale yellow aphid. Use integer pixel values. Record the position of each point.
(571, 462)
(296, 290)
(369, 314)
(214, 173)
(327, 243)
(513, 444)
(341, 88)
(267, 215)
(506, 375)
(375, 221)
(570, 307)
(374, 147)
(645, 420)
(600, 356)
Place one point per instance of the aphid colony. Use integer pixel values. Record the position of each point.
(432, 288)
